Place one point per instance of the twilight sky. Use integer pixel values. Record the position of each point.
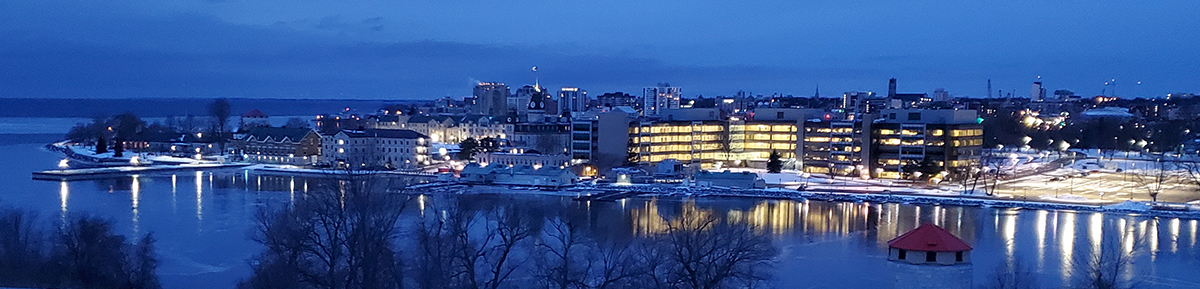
(377, 49)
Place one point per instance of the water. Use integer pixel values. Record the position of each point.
(202, 220)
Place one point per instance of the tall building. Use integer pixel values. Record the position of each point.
(941, 94)
(491, 98)
(1037, 93)
(892, 88)
(660, 97)
(517, 102)
(573, 99)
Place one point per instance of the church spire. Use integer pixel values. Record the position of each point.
(536, 85)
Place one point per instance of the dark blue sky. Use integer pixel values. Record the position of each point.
(427, 49)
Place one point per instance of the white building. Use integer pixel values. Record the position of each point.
(660, 97)
(376, 148)
(1037, 93)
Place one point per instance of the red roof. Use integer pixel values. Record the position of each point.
(929, 237)
(254, 114)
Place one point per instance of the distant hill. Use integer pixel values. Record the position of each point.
(162, 107)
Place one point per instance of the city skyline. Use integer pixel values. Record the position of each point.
(381, 50)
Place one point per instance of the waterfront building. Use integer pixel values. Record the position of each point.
(901, 140)
(280, 145)
(833, 145)
(658, 98)
(375, 149)
(517, 175)
(727, 179)
(601, 136)
(149, 141)
(692, 136)
(513, 157)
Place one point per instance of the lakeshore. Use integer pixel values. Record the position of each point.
(197, 214)
(856, 191)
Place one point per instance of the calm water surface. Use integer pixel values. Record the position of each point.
(202, 219)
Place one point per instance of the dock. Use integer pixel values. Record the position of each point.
(609, 196)
(106, 172)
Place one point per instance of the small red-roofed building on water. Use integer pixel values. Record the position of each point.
(929, 244)
(930, 257)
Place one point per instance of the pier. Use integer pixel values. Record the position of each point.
(105, 172)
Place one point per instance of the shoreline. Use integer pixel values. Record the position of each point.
(601, 192)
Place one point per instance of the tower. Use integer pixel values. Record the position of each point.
(892, 88)
(989, 90)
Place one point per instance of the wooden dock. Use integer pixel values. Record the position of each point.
(106, 172)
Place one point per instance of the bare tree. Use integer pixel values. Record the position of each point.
(701, 251)
(142, 264)
(1110, 267)
(85, 254)
(1157, 177)
(468, 249)
(562, 255)
(219, 110)
(339, 236)
(1012, 275)
(565, 258)
(21, 250)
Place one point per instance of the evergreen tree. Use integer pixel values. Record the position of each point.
(101, 145)
(774, 164)
(118, 148)
(467, 149)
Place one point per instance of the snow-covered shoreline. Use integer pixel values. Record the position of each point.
(587, 192)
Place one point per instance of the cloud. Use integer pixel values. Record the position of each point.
(101, 49)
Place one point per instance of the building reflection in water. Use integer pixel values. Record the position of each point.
(135, 192)
(199, 197)
(64, 193)
(880, 222)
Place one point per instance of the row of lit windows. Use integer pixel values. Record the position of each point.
(777, 137)
(967, 142)
(683, 147)
(680, 128)
(966, 132)
(764, 128)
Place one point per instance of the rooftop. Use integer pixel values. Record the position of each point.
(929, 238)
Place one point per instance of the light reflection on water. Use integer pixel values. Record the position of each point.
(819, 235)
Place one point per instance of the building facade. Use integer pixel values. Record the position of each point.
(376, 149)
(663, 96)
(278, 145)
(904, 141)
(491, 98)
